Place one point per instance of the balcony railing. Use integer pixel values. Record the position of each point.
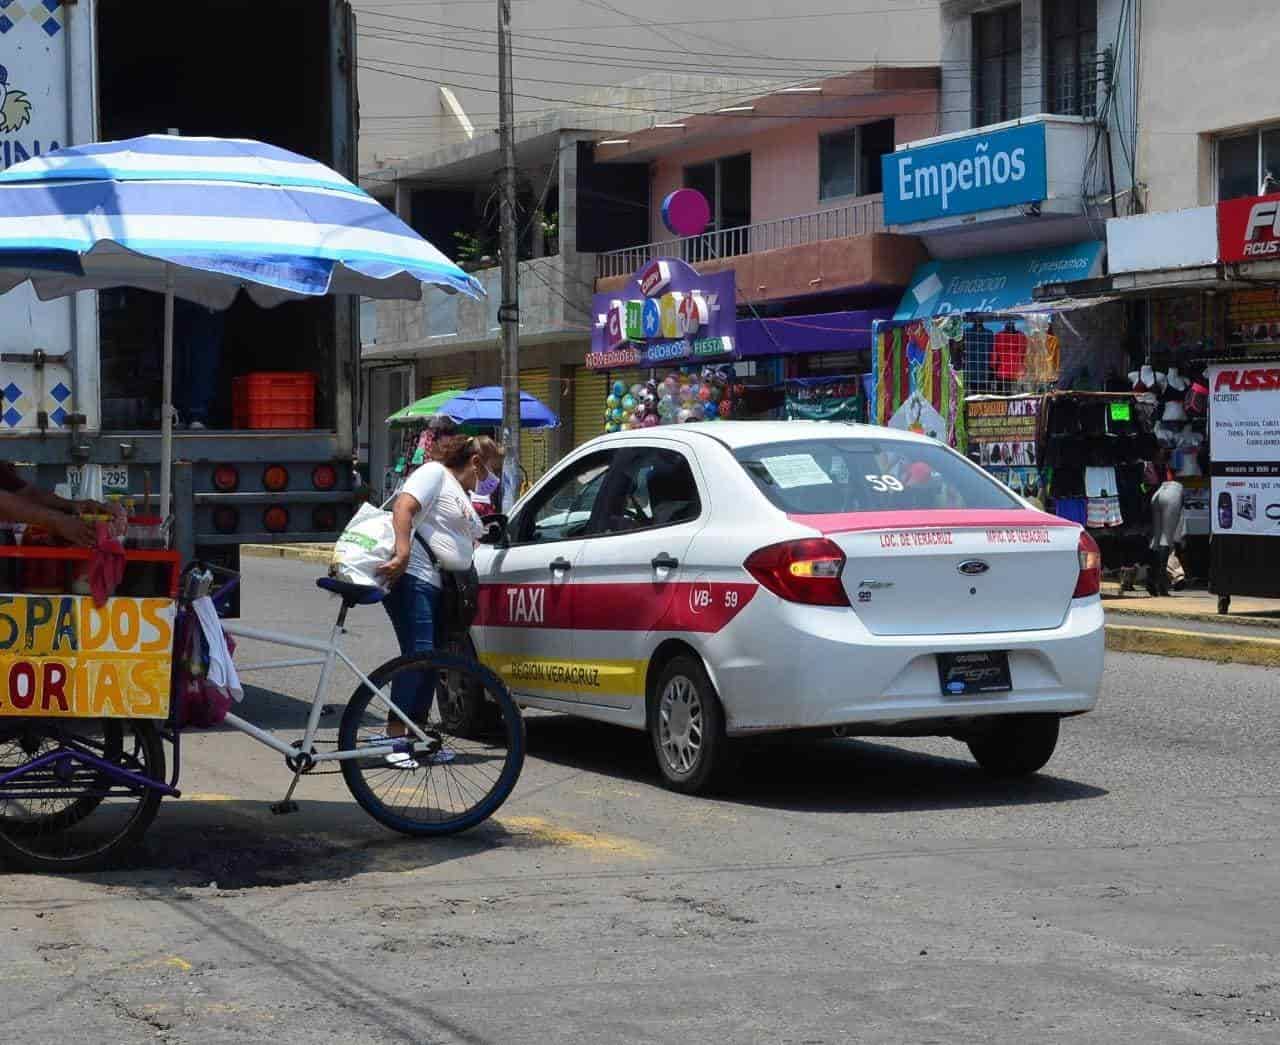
(855, 219)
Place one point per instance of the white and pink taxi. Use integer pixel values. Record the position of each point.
(706, 582)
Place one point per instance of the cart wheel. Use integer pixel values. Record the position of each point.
(45, 815)
(1224, 603)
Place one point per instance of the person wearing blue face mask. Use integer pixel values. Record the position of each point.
(437, 528)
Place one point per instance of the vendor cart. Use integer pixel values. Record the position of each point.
(85, 700)
(91, 690)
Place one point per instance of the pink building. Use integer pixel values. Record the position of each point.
(793, 179)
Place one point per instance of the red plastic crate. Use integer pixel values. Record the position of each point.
(279, 399)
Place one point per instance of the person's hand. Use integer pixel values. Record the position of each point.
(393, 569)
(73, 530)
(119, 520)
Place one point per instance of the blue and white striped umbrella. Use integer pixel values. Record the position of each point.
(205, 218)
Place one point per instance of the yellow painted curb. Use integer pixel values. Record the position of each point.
(300, 552)
(1197, 645)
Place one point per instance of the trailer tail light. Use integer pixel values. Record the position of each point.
(275, 478)
(806, 571)
(226, 519)
(324, 518)
(226, 478)
(276, 519)
(324, 477)
(1089, 582)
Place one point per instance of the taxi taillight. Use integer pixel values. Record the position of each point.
(1089, 581)
(807, 571)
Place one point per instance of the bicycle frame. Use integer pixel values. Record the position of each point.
(332, 652)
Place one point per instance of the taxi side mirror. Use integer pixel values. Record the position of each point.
(495, 530)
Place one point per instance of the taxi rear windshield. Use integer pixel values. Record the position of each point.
(834, 476)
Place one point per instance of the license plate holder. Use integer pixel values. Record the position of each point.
(974, 673)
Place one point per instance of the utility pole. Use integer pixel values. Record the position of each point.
(509, 309)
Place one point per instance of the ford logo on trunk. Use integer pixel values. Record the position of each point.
(973, 567)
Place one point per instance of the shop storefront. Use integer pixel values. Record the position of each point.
(1204, 298)
(667, 348)
(1045, 401)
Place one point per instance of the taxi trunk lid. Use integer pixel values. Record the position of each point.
(957, 572)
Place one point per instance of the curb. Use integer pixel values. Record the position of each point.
(321, 553)
(1133, 613)
(1196, 645)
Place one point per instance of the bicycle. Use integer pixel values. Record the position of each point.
(75, 792)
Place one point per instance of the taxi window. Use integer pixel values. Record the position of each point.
(821, 477)
(563, 510)
(647, 488)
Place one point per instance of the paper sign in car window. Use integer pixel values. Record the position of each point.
(791, 470)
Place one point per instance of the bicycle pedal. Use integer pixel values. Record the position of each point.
(282, 808)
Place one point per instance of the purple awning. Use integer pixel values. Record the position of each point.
(824, 332)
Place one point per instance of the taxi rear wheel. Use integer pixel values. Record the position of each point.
(686, 725)
(1017, 747)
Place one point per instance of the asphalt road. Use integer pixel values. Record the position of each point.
(847, 891)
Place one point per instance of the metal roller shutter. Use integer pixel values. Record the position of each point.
(589, 389)
(535, 443)
(448, 381)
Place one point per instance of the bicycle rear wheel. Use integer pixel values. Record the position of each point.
(453, 782)
(67, 815)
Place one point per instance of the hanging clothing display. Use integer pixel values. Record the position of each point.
(907, 358)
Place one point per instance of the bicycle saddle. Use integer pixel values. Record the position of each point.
(352, 594)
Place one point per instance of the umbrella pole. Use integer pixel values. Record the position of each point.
(166, 410)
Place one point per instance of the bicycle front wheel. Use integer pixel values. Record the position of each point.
(450, 783)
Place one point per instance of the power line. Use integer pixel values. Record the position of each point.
(570, 104)
(638, 51)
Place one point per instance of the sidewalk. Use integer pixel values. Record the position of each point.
(319, 553)
(1186, 624)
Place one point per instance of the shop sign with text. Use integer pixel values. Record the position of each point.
(63, 657)
(983, 171)
(668, 313)
(1244, 430)
(1249, 229)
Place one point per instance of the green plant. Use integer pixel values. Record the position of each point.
(475, 249)
(550, 226)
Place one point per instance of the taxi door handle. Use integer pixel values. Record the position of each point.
(663, 561)
(560, 565)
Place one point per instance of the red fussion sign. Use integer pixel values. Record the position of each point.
(1249, 229)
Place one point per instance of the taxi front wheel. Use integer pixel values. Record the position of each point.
(686, 724)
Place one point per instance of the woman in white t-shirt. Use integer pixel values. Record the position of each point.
(435, 504)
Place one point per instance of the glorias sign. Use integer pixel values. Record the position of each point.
(984, 171)
(666, 314)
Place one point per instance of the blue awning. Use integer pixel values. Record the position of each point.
(794, 335)
(997, 282)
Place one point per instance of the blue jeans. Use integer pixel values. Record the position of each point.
(413, 606)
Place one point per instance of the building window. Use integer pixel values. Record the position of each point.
(1249, 164)
(997, 65)
(726, 183)
(1071, 57)
(368, 322)
(849, 161)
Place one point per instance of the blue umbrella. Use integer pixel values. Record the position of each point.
(483, 406)
(203, 219)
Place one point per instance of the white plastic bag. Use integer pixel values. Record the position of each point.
(368, 542)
